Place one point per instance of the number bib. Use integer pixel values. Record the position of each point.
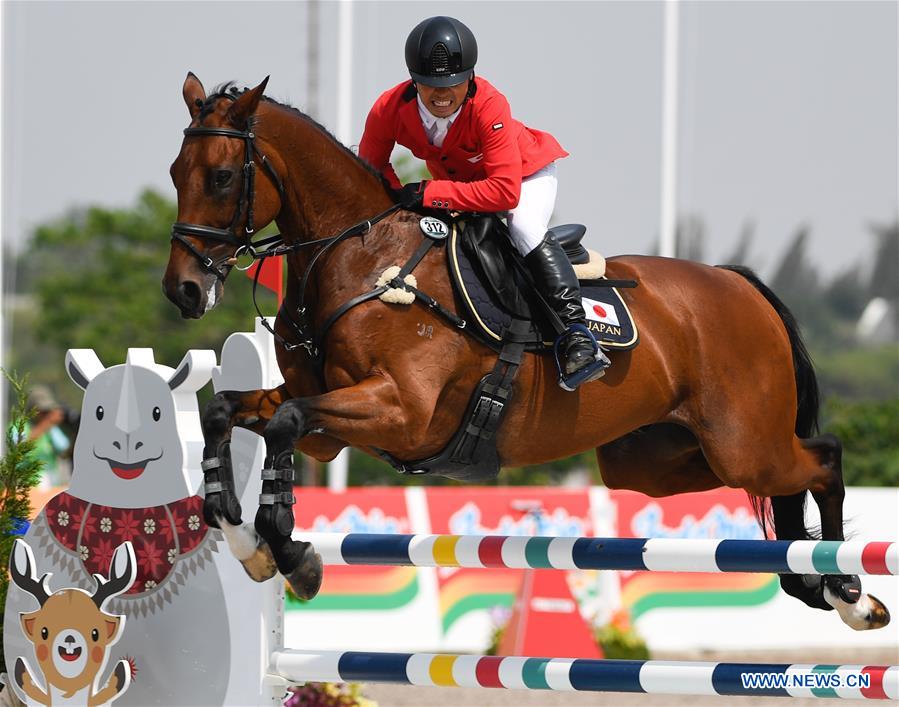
(433, 228)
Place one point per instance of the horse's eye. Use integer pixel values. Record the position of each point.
(223, 177)
(44, 633)
(157, 413)
(99, 412)
(95, 635)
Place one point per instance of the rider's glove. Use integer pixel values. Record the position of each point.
(411, 195)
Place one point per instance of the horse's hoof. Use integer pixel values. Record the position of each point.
(864, 614)
(306, 579)
(878, 614)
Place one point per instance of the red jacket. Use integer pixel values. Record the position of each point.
(483, 159)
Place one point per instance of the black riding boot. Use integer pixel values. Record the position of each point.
(554, 276)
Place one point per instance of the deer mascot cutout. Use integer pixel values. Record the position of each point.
(72, 634)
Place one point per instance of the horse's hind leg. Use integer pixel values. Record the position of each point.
(842, 592)
(371, 413)
(822, 455)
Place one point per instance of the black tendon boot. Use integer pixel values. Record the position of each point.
(296, 559)
(582, 359)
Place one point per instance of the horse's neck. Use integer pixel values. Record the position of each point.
(328, 188)
(326, 191)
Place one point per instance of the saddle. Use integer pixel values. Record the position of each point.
(493, 283)
(504, 311)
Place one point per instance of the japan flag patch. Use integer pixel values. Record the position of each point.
(600, 311)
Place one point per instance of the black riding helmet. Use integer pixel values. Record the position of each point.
(441, 51)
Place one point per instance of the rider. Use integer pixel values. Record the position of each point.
(482, 160)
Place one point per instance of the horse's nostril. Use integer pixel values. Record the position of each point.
(190, 293)
(117, 445)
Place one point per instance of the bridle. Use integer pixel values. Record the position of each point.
(231, 235)
(264, 247)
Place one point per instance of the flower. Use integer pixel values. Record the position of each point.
(149, 584)
(105, 524)
(172, 555)
(83, 552)
(193, 522)
(62, 518)
(150, 526)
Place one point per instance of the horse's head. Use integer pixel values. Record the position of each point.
(223, 196)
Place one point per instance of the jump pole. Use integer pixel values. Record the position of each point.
(653, 554)
(568, 674)
(650, 676)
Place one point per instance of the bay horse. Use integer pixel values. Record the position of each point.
(719, 392)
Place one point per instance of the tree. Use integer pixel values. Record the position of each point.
(96, 276)
(870, 445)
(885, 276)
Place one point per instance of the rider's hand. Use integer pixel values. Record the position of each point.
(411, 195)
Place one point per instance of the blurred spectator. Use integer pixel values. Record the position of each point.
(51, 443)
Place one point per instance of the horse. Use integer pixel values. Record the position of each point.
(719, 392)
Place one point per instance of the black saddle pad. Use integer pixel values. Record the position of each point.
(488, 316)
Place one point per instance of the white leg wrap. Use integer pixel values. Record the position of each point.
(242, 539)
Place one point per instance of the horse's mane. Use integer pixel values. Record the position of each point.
(230, 90)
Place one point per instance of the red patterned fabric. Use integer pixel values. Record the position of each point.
(160, 534)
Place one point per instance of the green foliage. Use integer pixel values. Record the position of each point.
(20, 472)
(621, 642)
(96, 278)
(410, 169)
(326, 694)
(870, 443)
(858, 374)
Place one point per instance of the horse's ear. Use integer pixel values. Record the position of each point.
(246, 105)
(194, 94)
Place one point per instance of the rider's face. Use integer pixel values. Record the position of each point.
(443, 102)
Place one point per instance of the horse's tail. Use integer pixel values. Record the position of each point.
(808, 403)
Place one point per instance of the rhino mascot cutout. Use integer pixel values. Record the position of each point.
(136, 478)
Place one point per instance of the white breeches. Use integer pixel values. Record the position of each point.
(529, 221)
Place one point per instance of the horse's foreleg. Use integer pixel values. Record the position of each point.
(368, 413)
(296, 560)
(221, 507)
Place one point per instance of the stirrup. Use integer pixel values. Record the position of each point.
(590, 372)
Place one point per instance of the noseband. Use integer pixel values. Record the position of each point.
(242, 241)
